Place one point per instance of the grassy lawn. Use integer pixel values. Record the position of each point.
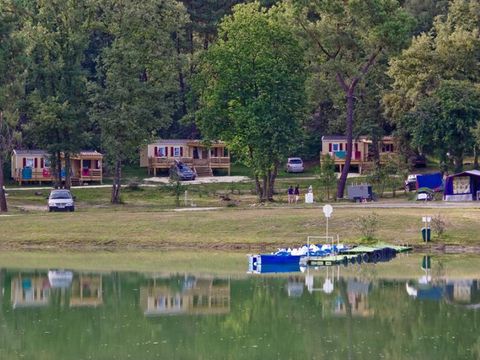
(245, 229)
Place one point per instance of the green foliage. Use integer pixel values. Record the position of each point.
(422, 85)
(136, 77)
(327, 178)
(345, 40)
(56, 36)
(251, 88)
(367, 226)
(12, 63)
(177, 187)
(439, 225)
(445, 117)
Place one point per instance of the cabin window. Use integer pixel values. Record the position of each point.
(177, 151)
(29, 162)
(162, 151)
(97, 164)
(387, 148)
(225, 152)
(46, 163)
(87, 164)
(336, 147)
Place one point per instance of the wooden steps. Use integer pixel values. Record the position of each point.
(203, 171)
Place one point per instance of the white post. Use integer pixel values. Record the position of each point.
(327, 210)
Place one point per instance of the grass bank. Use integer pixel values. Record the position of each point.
(245, 229)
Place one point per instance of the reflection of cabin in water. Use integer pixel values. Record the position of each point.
(29, 291)
(201, 158)
(357, 293)
(34, 166)
(204, 296)
(86, 291)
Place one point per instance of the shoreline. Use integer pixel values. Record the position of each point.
(437, 248)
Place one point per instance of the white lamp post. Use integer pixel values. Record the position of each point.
(327, 211)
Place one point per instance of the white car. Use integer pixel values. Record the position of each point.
(295, 165)
(61, 200)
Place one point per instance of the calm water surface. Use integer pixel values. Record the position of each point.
(417, 310)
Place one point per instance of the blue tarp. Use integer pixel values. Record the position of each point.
(432, 181)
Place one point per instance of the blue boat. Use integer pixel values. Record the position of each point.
(288, 260)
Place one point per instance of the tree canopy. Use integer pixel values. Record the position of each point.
(251, 87)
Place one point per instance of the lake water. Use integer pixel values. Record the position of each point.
(410, 308)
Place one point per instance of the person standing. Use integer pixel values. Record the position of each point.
(290, 194)
(296, 193)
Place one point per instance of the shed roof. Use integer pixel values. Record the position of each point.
(30, 152)
(184, 142)
(468, 172)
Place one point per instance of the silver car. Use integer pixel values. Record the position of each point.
(295, 165)
(61, 200)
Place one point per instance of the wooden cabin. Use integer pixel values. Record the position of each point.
(201, 158)
(362, 154)
(34, 166)
(31, 166)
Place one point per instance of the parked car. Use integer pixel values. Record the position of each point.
(425, 194)
(418, 160)
(411, 182)
(295, 165)
(61, 200)
(182, 172)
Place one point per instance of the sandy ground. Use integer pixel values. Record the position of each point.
(201, 180)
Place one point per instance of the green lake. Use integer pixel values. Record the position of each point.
(409, 308)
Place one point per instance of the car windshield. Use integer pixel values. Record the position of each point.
(184, 168)
(60, 195)
(295, 161)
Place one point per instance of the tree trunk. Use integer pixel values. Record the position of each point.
(475, 157)
(273, 176)
(458, 163)
(258, 188)
(3, 197)
(59, 170)
(349, 134)
(265, 188)
(116, 182)
(375, 150)
(68, 178)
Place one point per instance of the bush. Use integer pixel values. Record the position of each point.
(439, 225)
(367, 226)
(133, 185)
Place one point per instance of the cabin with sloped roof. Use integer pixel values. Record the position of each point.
(362, 152)
(201, 157)
(29, 166)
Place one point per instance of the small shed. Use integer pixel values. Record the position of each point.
(464, 186)
(360, 192)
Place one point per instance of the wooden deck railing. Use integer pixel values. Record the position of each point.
(166, 162)
(36, 175)
(91, 174)
(220, 160)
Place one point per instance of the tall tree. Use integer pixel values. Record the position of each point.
(56, 87)
(349, 36)
(12, 62)
(444, 121)
(251, 86)
(136, 76)
(450, 51)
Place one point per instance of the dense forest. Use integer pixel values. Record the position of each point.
(268, 77)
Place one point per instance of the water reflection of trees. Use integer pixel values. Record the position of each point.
(361, 317)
